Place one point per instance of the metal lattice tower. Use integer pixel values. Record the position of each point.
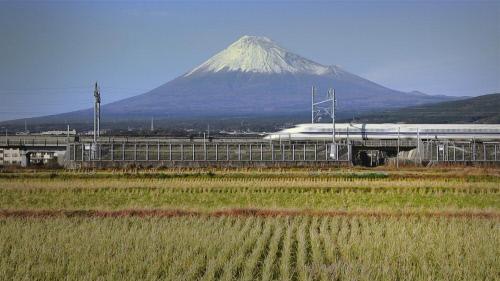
(316, 111)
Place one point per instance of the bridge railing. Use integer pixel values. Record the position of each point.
(38, 142)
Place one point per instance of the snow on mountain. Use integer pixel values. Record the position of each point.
(260, 55)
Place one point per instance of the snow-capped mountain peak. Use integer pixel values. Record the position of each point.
(260, 55)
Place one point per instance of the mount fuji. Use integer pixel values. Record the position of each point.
(254, 76)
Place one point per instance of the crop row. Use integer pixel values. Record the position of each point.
(249, 248)
(260, 185)
(345, 174)
(120, 198)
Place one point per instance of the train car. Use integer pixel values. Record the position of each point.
(388, 131)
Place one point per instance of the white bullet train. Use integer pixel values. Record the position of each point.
(323, 131)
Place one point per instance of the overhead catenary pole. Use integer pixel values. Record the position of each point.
(312, 104)
(332, 91)
(348, 142)
(330, 98)
(397, 156)
(204, 145)
(418, 148)
(95, 122)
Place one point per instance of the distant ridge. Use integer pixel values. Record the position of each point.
(482, 109)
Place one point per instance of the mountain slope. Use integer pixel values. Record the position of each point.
(256, 76)
(482, 109)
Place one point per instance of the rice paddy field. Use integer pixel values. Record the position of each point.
(271, 224)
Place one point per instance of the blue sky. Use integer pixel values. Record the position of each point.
(52, 52)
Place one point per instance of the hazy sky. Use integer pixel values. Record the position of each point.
(52, 52)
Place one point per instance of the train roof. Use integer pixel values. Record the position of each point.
(397, 125)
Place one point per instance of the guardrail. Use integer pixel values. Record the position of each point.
(33, 142)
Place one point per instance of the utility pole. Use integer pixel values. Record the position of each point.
(97, 121)
(97, 112)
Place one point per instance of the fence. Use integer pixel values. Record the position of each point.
(458, 151)
(196, 152)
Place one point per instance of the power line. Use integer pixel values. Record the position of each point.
(70, 88)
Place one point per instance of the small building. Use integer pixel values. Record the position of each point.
(42, 158)
(10, 156)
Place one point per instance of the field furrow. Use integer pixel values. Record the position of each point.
(287, 261)
(252, 262)
(233, 267)
(302, 250)
(218, 260)
(269, 264)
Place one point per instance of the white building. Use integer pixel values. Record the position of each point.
(42, 157)
(59, 133)
(10, 156)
